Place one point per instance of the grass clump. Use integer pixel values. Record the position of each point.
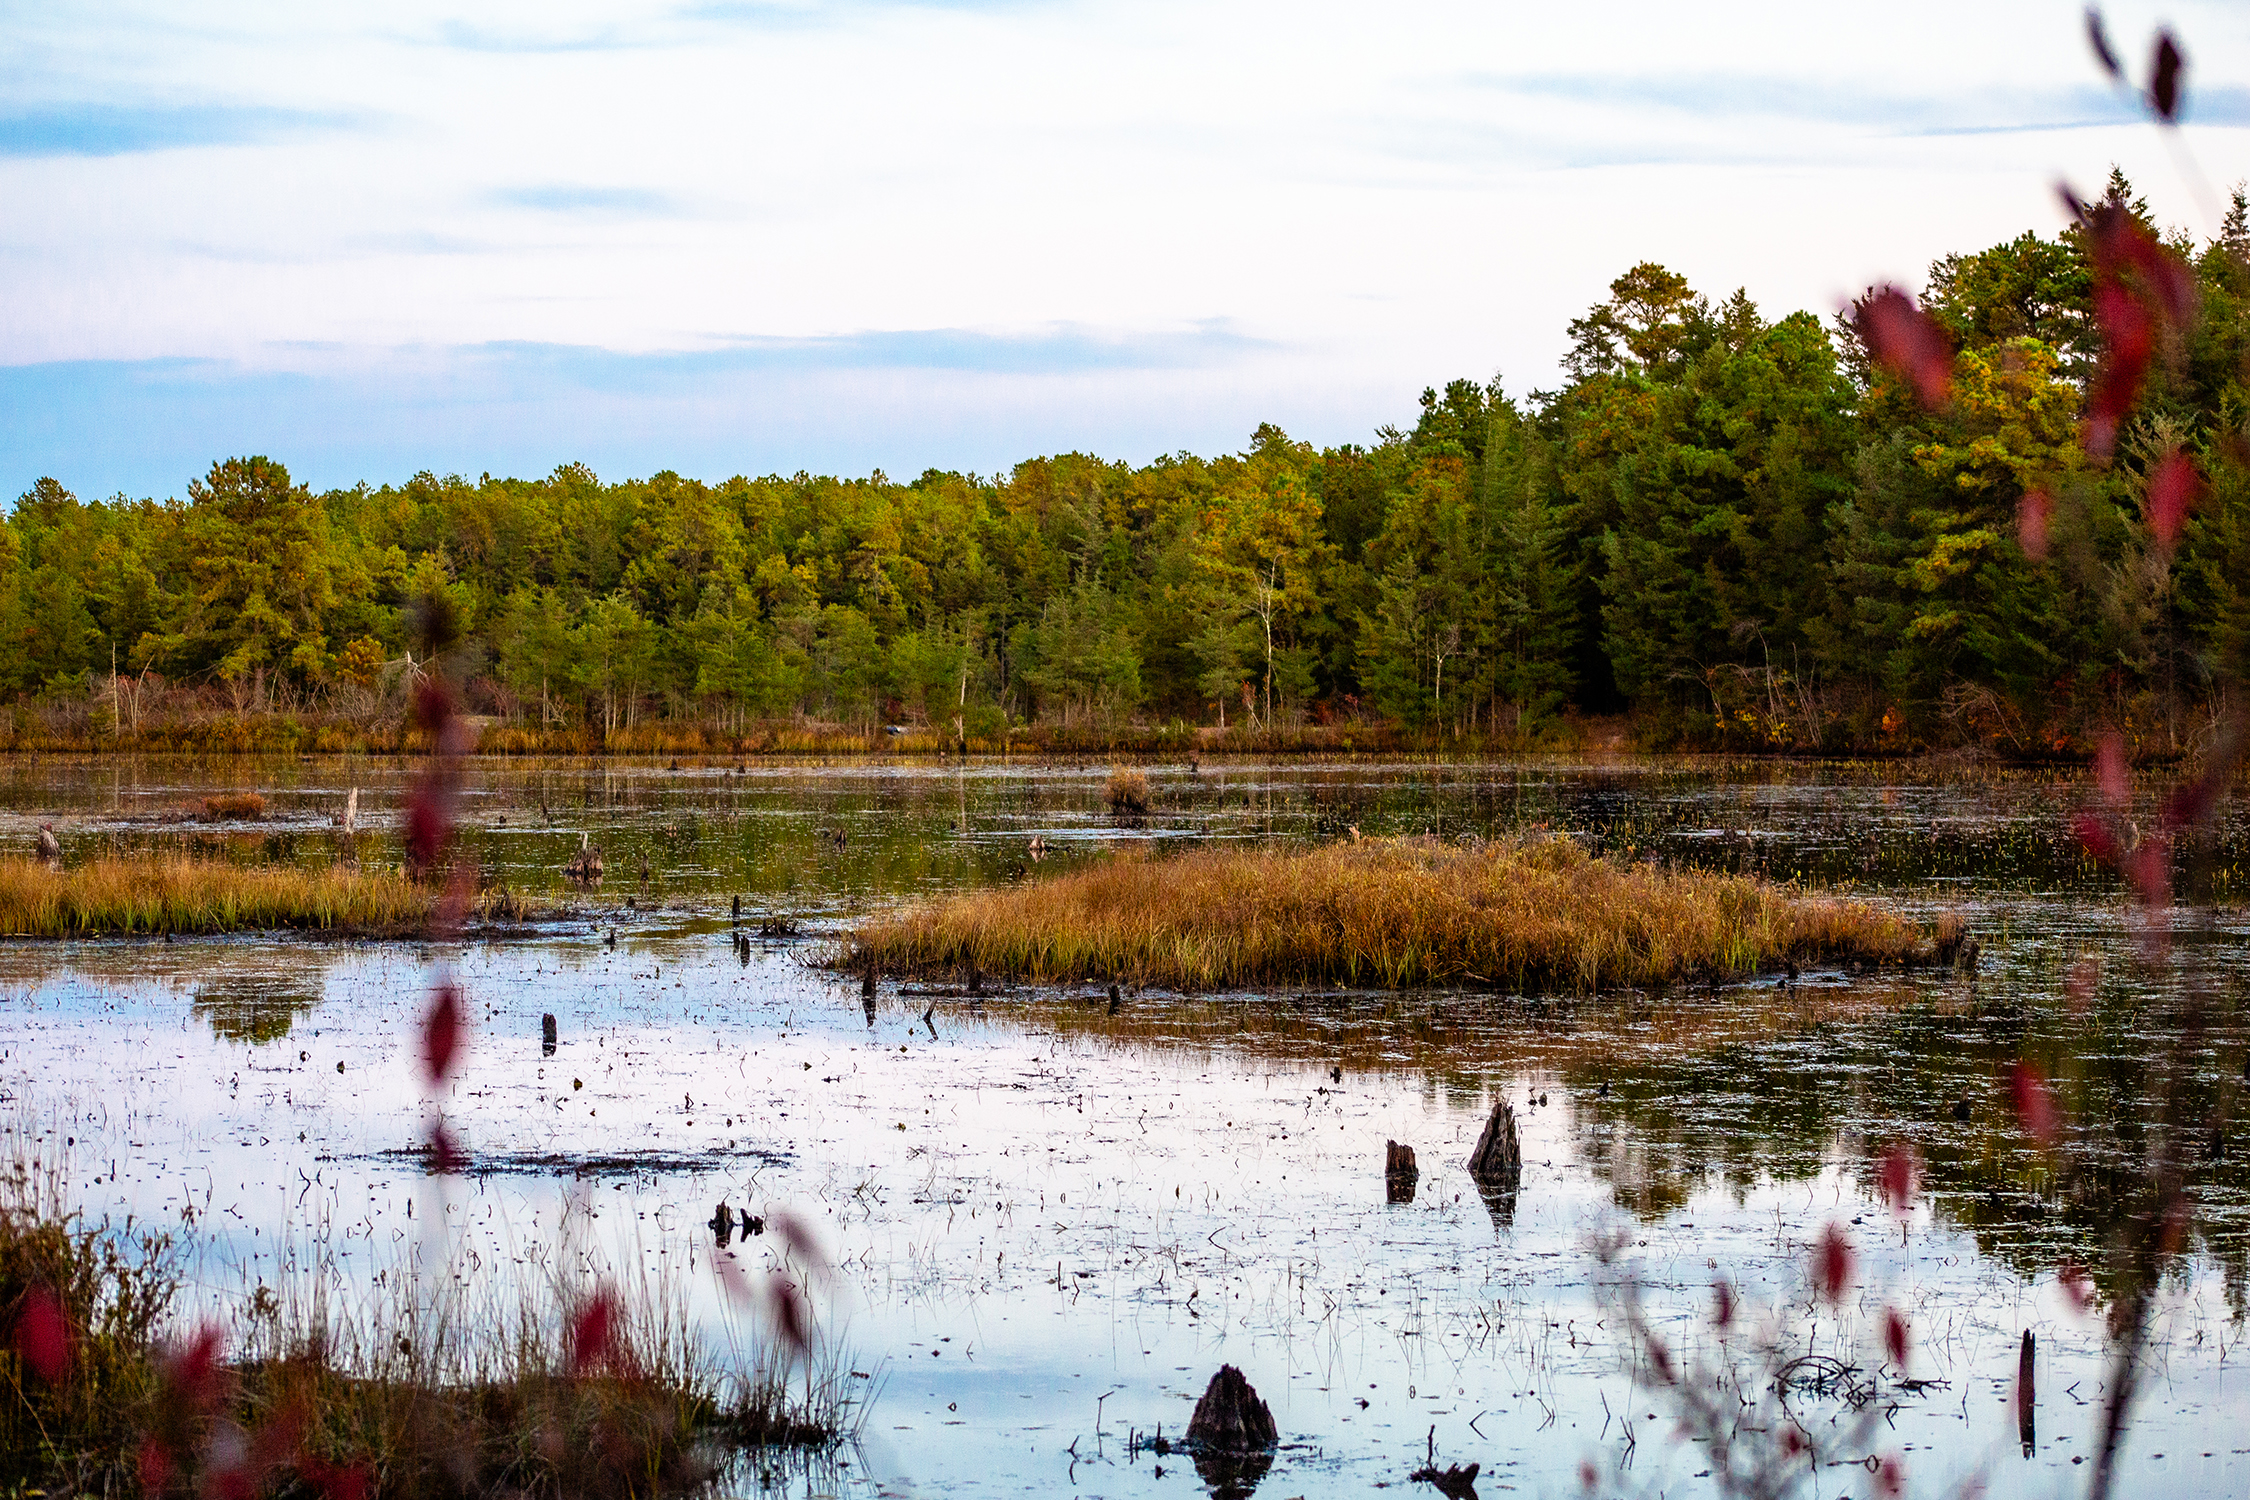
(1521, 914)
(80, 1305)
(439, 1384)
(157, 893)
(1126, 792)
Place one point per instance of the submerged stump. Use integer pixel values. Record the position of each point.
(1400, 1174)
(1496, 1165)
(1497, 1160)
(1232, 1436)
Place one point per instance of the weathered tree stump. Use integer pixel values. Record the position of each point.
(1399, 1172)
(1497, 1160)
(1230, 1418)
(1231, 1436)
(547, 1035)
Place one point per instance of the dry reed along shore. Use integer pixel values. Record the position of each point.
(157, 893)
(1527, 915)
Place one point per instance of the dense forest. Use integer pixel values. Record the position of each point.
(1737, 530)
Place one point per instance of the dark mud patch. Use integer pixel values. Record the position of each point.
(472, 1163)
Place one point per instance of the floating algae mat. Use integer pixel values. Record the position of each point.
(1049, 1224)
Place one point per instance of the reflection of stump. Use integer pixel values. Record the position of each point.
(1499, 1202)
(1399, 1172)
(2027, 1394)
(1231, 1476)
(1231, 1436)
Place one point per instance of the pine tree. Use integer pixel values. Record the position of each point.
(1532, 589)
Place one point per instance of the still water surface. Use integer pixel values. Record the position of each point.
(1051, 1224)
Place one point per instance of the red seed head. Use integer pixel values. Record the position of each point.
(331, 1481)
(2110, 773)
(1898, 1174)
(1832, 1264)
(191, 1375)
(429, 828)
(2076, 1285)
(2174, 485)
(432, 706)
(2164, 73)
(2084, 977)
(2149, 869)
(42, 1335)
(445, 1153)
(155, 1466)
(592, 1333)
(1890, 1476)
(441, 1033)
(790, 1318)
(2032, 514)
(1895, 1336)
(2097, 36)
(2094, 837)
(1907, 342)
(2035, 1107)
(1722, 1304)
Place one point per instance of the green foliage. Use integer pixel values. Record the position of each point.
(1730, 525)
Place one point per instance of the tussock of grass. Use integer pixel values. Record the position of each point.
(154, 893)
(1127, 790)
(444, 1393)
(1522, 915)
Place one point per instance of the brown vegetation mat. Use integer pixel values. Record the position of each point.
(1389, 913)
(155, 893)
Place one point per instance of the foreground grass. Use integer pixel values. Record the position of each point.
(156, 893)
(437, 1385)
(1526, 915)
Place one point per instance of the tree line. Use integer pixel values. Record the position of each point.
(1739, 530)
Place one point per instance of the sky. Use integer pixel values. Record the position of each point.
(764, 236)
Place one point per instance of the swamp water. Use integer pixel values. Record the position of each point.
(1049, 1224)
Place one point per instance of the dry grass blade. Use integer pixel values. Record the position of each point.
(1395, 913)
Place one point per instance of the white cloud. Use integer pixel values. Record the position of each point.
(1368, 198)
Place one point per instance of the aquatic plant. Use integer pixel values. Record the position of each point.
(1126, 791)
(173, 893)
(1519, 914)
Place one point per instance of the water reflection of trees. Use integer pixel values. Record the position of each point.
(1659, 1127)
(254, 1007)
(250, 991)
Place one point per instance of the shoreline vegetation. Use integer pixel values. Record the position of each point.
(154, 894)
(713, 746)
(1523, 915)
(442, 1385)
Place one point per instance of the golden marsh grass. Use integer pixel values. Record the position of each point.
(1525, 915)
(156, 893)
